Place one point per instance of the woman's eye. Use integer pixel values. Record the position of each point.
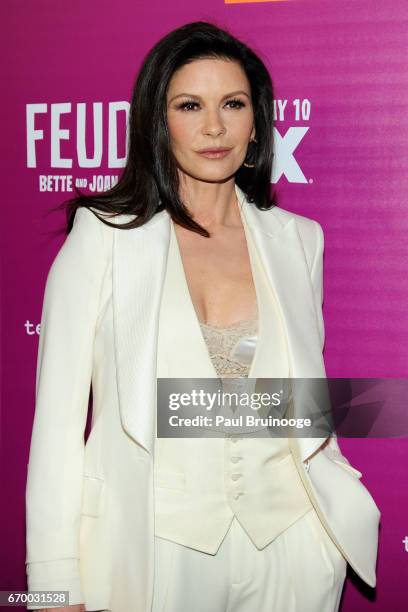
(187, 104)
(237, 103)
(190, 105)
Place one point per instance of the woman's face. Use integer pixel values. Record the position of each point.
(209, 106)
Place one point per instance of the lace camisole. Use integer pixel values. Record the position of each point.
(232, 347)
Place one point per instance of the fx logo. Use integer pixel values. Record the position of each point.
(284, 159)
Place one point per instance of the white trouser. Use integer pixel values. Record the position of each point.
(300, 571)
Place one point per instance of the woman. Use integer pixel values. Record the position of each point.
(206, 277)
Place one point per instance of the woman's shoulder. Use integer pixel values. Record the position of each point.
(90, 221)
(92, 216)
(90, 236)
(303, 222)
(310, 230)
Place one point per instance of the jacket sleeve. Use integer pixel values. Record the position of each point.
(317, 279)
(63, 379)
(331, 446)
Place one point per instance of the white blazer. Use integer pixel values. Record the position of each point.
(90, 509)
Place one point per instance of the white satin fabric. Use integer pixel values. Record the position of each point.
(244, 349)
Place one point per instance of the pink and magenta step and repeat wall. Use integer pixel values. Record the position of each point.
(340, 70)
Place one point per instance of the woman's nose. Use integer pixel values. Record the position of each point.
(213, 124)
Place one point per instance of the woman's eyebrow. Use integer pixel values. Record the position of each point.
(232, 93)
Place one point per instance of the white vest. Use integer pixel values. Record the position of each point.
(201, 483)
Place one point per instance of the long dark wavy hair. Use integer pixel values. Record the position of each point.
(149, 182)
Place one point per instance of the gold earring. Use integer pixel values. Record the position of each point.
(251, 153)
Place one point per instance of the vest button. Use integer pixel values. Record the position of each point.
(235, 476)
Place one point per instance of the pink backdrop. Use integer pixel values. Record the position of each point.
(342, 70)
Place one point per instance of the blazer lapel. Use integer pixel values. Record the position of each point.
(139, 267)
(280, 248)
(281, 251)
(183, 352)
